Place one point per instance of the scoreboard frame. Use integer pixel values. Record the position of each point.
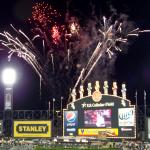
(123, 117)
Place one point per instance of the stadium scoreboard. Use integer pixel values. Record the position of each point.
(100, 114)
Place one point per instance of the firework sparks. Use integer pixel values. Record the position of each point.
(55, 34)
(44, 20)
(43, 14)
(74, 28)
(23, 48)
(52, 58)
(68, 51)
(80, 78)
(111, 37)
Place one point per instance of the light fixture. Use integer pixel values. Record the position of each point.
(9, 76)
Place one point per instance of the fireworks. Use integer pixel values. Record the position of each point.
(66, 46)
(110, 39)
(44, 20)
(52, 58)
(55, 34)
(74, 28)
(23, 48)
(43, 15)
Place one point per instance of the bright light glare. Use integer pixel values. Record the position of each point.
(8, 76)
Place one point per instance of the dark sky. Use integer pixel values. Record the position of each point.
(132, 67)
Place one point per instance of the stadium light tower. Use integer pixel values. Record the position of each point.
(54, 116)
(8, 79)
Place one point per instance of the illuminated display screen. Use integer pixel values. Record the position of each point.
(97, 118)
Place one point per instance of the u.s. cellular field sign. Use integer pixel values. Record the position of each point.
(100, 114)
(32, 129)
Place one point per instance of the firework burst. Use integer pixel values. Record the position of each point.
(55, 34)
(112, 36)
(23, 47)
(43, 15)
(74, 28)
(44, 20)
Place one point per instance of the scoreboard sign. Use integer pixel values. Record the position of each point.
(30, 129)
(70, 121)
(110, 115)
(126, 116)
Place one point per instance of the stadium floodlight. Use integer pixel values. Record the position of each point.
(9, 76)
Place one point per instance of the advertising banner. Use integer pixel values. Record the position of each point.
(70, 122)
(110, 132)
(126, 117)
(30, 129)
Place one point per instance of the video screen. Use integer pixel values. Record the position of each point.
(97, 118)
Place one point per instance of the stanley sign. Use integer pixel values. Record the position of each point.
(31, 129)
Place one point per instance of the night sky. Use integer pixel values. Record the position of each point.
(131, 66)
